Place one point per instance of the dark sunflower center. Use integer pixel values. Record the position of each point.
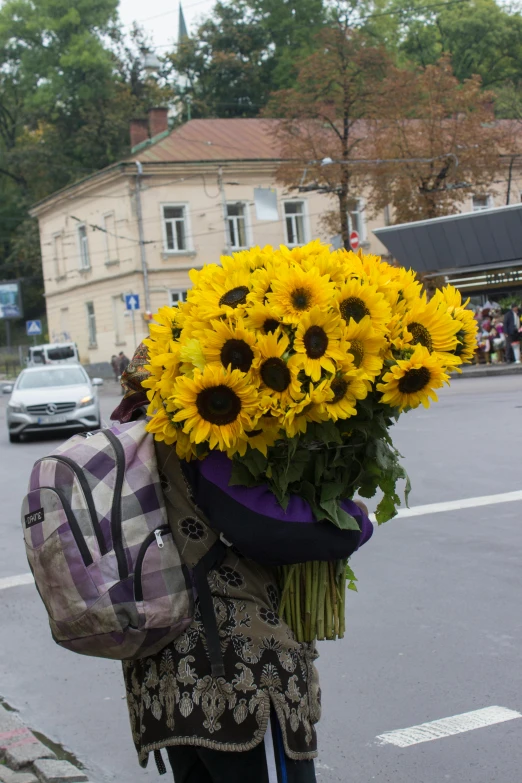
(353, 307)
(270, 325)
(275, 374)
(339, 388)
(315, 341)
(461, 337)
(235, 296)
(301, 298)
(420, 335)
(219, 405)
(357, 351)
(237, 353)
(414, 380)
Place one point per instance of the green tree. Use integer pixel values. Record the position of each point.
(241, 53)
(66, 98)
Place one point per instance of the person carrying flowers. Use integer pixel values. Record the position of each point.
(270, 394)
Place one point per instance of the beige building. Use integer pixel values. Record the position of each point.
(190, 193)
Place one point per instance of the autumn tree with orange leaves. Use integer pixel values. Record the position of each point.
(339, 88)
(414, 140)
(441, 142)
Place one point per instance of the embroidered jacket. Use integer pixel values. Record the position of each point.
(172, 697)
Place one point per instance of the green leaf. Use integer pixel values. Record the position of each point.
(337, 515)
(241, 476)
(332, 491)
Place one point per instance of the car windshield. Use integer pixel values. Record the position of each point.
(42, 379)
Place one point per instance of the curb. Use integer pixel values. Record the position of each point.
(486, 371)
(24, 759)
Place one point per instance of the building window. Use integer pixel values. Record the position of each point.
(58, 254)
(85, 261)
(174, 228)
(176, 297)
(118, 317)
(91, 323)
(295, 222)
(111, 249)
(356, 218)
(480, 203)
(236, 225)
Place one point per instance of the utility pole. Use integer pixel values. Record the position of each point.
(144, 267)
(225, 212)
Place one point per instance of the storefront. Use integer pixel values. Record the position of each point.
(480, 253)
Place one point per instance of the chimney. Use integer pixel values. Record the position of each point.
(139, 132)
(158, 121)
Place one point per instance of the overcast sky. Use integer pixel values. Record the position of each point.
(160, 17)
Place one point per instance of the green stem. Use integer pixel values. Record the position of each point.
(298, 619)
(342, 590)
(315, 588)
(328, 604)
(335, 604)
(308, 602)
(286, 574)
(321, 600)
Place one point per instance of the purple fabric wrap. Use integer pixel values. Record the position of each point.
(217, 468)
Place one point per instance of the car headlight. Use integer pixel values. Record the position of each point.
(15, 407)
(86, 401)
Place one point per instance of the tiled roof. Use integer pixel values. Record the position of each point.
(214, 140)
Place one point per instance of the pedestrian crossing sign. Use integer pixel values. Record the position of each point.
(33, 328)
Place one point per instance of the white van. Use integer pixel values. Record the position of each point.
(53, 353)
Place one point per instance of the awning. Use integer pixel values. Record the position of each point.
(458, 242)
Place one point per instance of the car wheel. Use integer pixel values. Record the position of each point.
(14, 438)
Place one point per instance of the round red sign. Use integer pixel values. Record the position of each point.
(354, 240)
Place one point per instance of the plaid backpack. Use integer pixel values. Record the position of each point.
(101, 550)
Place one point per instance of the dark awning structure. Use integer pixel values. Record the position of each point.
(458, 243)
(478, 252)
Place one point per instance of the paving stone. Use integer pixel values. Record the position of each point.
(50, 771)
(8, 776)
(18, 745)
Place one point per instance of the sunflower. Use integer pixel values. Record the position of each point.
(358, 299)
(230, 344)
(412, 381)
(347, 386)
(191, 355)
(366, 346)
(262, 279)
(265, 434)
(277, 379)
(426, 324)
(262, 318)
(311, 408)
(215, 406)
(451, 299)
(295, 291)
(167, 324)
(223, 294)
(317, 343)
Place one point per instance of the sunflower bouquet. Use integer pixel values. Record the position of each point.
(296, 363)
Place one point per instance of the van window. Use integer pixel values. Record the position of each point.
(38, 356)
(59, 354)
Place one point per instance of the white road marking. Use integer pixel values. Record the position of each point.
(456, 505)
(16, 581)
(447, 727)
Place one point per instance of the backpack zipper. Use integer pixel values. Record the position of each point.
(88, 499)
(155, 534)
(75, 528)
(117, 542)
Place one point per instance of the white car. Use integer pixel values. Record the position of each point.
(62, 397)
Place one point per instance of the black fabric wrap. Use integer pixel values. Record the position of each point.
(264, 539)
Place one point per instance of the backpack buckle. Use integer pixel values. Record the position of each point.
(225, 541)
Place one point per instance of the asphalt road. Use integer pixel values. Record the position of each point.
(434, 631)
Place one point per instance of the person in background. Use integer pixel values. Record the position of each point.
(115, 364)
(124, 362)
(512, 332)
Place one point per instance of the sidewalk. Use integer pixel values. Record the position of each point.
(484, 370)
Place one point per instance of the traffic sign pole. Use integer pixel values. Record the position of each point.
(134, 328)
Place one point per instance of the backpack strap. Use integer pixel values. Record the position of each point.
(212, 559)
